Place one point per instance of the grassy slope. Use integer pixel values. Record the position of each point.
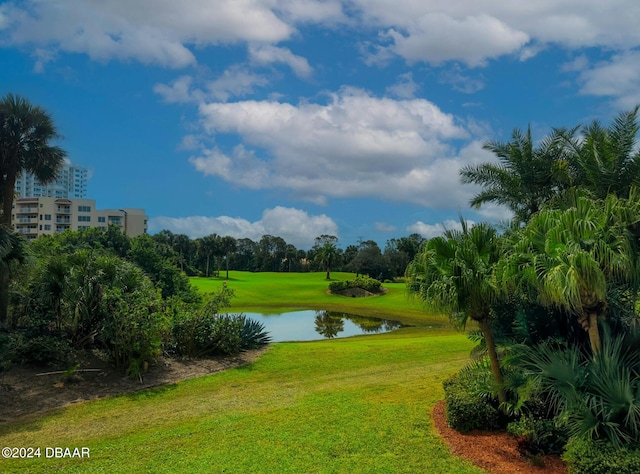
(275, 292)
(359, 404)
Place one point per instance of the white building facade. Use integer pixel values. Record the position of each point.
(70, 183)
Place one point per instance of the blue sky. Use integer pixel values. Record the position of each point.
(305, 117)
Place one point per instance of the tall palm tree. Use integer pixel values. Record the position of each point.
(604, 160)
(454, 274)
(326, 255)
(25, 135)
(573, 257)
(525, 176)
(228, 245)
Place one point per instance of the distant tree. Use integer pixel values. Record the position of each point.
(228, 245)
(369, 260)
(245, 255)
(291, 255)
(399, 252)
(271, 252)
(26, 133)
(208, 248)
(327, 255)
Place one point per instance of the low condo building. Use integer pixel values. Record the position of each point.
(35, 216)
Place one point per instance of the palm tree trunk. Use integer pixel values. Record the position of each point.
(594, 333)
(4, 298)
(7, 188)
(493, 357)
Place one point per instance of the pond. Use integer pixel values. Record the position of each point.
(309, 325)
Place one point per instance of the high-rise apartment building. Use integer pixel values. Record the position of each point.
(35, 216)
(71, 183)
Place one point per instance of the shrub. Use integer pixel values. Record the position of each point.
(597, 396)
(221, 335)
(469, 401)
(538, 436)
(366, 283)
(134, 329)
(588, 456)
(45, 350)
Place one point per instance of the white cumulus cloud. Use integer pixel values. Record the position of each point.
(434, 230)
(269, 54)
(295, 226)
(354, 145)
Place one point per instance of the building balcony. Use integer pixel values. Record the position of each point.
(63, 220)
(27, 209)
(63, 210)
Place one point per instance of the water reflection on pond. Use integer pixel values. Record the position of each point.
(310, 324)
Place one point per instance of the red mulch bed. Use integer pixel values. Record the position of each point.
(493, 451)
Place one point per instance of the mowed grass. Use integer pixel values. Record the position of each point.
(354, 405)
(277, 292)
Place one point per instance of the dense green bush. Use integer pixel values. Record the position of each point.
(593, 457)
(206, 331)
(469, 401)
(366, 283)
(538, 436)
(134, 328)
(27, 347)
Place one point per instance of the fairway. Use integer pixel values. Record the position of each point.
(353, 405)
(278, 292)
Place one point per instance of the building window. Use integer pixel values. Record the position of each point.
(47, 227)
(102, 219)
(84, 218)
(47, 217)
(84, 208)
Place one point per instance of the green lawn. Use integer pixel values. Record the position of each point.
(277, 292)
(354, 405)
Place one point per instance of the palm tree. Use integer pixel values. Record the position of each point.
(228, 245)
(25, 135)
(604, 160)
(12, 251)
(525, 177)
(572, 258)
(326, 255)
(454, 274)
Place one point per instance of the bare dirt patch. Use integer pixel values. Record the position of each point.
(28, 391)
(493, 451)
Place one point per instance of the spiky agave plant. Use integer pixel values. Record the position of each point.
(253, 334)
